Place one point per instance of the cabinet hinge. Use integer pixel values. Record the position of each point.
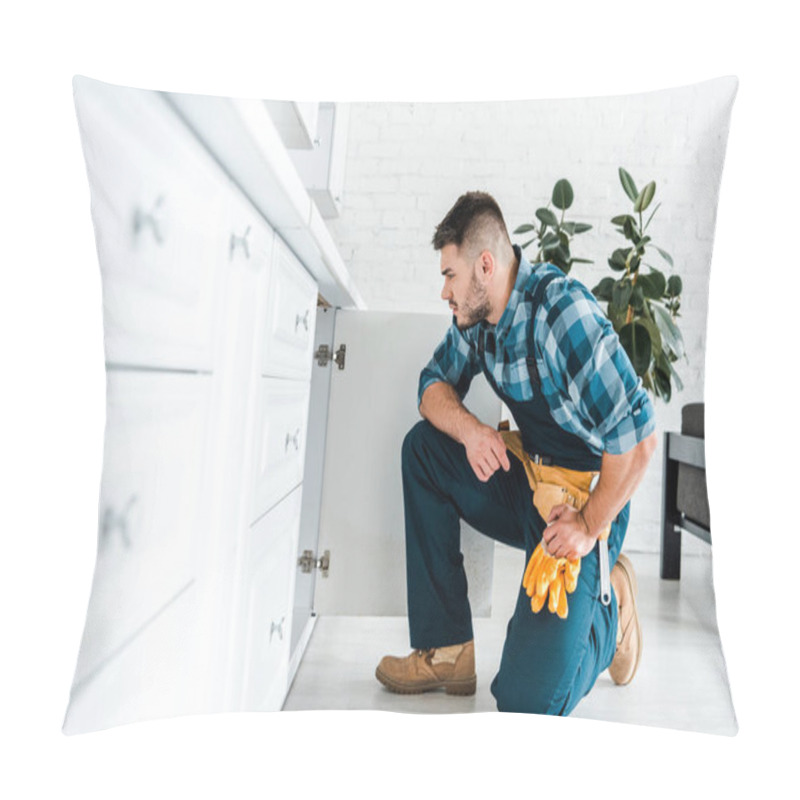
(324, 355)
(307, 562)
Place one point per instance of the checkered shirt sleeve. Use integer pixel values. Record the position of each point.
(583, 354)
(455, 361)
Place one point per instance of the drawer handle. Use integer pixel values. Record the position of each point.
(293, 439)
(142, 220)
(240, 241)
(304, 319)
(276, 627)
(112, 521)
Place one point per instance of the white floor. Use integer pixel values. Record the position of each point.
(681, 682)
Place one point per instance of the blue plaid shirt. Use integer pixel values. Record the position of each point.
(586, 377)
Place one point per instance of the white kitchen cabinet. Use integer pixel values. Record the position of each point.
(152, 679)
(267, 599)
(151, 504)
(158, 209)
(249, 482)
(296, 122)
(322, 167)
(290, 317)
(280, 440)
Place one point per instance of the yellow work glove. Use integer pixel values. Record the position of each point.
(556, 576)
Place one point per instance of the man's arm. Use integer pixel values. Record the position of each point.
(573, 534)
(486, 450)
(611, 402)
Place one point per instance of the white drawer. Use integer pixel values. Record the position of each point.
(249, 238)
(159, 210)
(280, 442)
(152, 504)
(151, 678)
(272, 557)
(290, 318)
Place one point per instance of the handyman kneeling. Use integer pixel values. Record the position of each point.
(586, 435)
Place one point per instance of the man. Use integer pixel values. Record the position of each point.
(553, 357)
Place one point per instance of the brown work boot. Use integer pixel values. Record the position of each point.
(424, 670)
(629, 633)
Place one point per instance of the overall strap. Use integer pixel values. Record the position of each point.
(536, 299)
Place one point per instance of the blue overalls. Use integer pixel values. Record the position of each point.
(548, 663)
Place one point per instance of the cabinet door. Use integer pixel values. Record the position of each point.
(372, 405)
(153, 506)
(290, 317)
(280, 439)
(154, 676)
(159, 217)
(268, 584)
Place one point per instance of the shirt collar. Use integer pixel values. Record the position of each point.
(523, 273)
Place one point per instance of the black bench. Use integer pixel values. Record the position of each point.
(685, 492)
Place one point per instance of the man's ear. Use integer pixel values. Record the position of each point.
(486, 264)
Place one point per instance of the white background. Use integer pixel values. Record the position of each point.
(52, 400)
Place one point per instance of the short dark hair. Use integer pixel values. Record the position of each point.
(468, 221)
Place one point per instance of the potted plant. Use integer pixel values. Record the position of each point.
(642, 307)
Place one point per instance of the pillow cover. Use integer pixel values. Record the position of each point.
(270, 296)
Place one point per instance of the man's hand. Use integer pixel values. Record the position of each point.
(566, 534)
(486, 451)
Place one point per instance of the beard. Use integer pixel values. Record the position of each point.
(475, 306)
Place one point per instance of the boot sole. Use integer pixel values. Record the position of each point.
(627, 567)
(460, 687)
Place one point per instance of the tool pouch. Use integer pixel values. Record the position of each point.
(552, 486)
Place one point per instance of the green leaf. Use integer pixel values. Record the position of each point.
(617, 261)
(637, 298)
(674, 285)
(603, 289)
(655, 335)
(582, 227)
(627, 184)
(621, 294)
(564, 239)
(650, 218)
(629, 228)
(620, 220)
(547, 216)
(662, 383)
(562, 194)
(635, 339)
(652, 285)
(669, 331)
(676, 378)
(550, 242)
(645, 197)
(530, 241)
(581, 261)
(666, 256)
(525, 228)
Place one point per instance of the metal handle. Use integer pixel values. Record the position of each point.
(292, 439)
(240, 241)
(298, 319)
(143, 219)
(112, 521)
(605, 577)
(276, 627)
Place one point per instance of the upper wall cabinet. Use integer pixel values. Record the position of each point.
(322, 168)
(296, 122)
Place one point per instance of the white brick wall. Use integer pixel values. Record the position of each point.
(408, 162)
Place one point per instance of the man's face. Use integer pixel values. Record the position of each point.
(462, 289)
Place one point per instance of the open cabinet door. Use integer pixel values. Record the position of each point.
(372, 405)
